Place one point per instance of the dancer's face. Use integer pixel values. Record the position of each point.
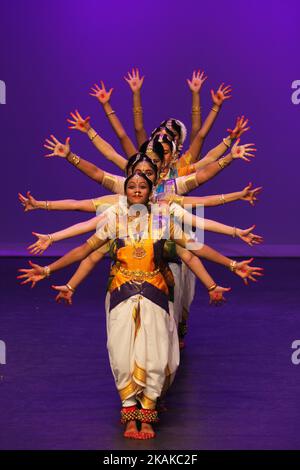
(137, 191)
(167, 154)
(156, 160)
(144, 167)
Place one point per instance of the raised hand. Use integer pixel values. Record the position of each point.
(100, 93)
(195, 84)
(216, 297)
(64, 294)
(33, 275)
(134, 80)
(79, 123)
(58, 149)
(240, 128)
(222, 94)
(246, 272)
(42, 243)
(243, 151)
(29, 203)
(249, 194)
(248, 237)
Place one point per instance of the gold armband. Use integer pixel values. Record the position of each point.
(178, 199)
(191, 182)
(109, 181)
(94, 242)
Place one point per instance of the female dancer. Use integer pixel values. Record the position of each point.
(141, 341)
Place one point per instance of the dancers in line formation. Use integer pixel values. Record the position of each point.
(148, 233)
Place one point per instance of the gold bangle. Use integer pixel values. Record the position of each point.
(232, 266)
(215, 110)
(137, 109)
(50, 238)
(47, 271)
(111, 112)
(196, 109)
(93, 136)
(222, 198)
(234, 232)
(222, 163)
(225, 143)
(211, 288)
(75, 160)
(70, 288)
(47, 205)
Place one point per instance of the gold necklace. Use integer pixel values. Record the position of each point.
(138, 251)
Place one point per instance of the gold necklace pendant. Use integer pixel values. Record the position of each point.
(139, 252)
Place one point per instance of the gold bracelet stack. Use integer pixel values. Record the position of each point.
(47, 271)
(70, 288)
(111, 112)
(47, 205)
(234, 232)
(137, 109)
(75, 160)
(233, 265)
(215, 110)
(211, 288)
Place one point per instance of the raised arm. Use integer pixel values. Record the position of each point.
(104, 99)
(185, 184)
(104, 147)
(136, 82)
(110, 182)
(195, 85)
(217, 152)
(222, 94)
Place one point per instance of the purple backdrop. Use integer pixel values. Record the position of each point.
(52, 53)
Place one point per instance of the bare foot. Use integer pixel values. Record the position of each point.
(131, 430)
(146, 432)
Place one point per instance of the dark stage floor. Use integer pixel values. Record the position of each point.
(237, 387)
